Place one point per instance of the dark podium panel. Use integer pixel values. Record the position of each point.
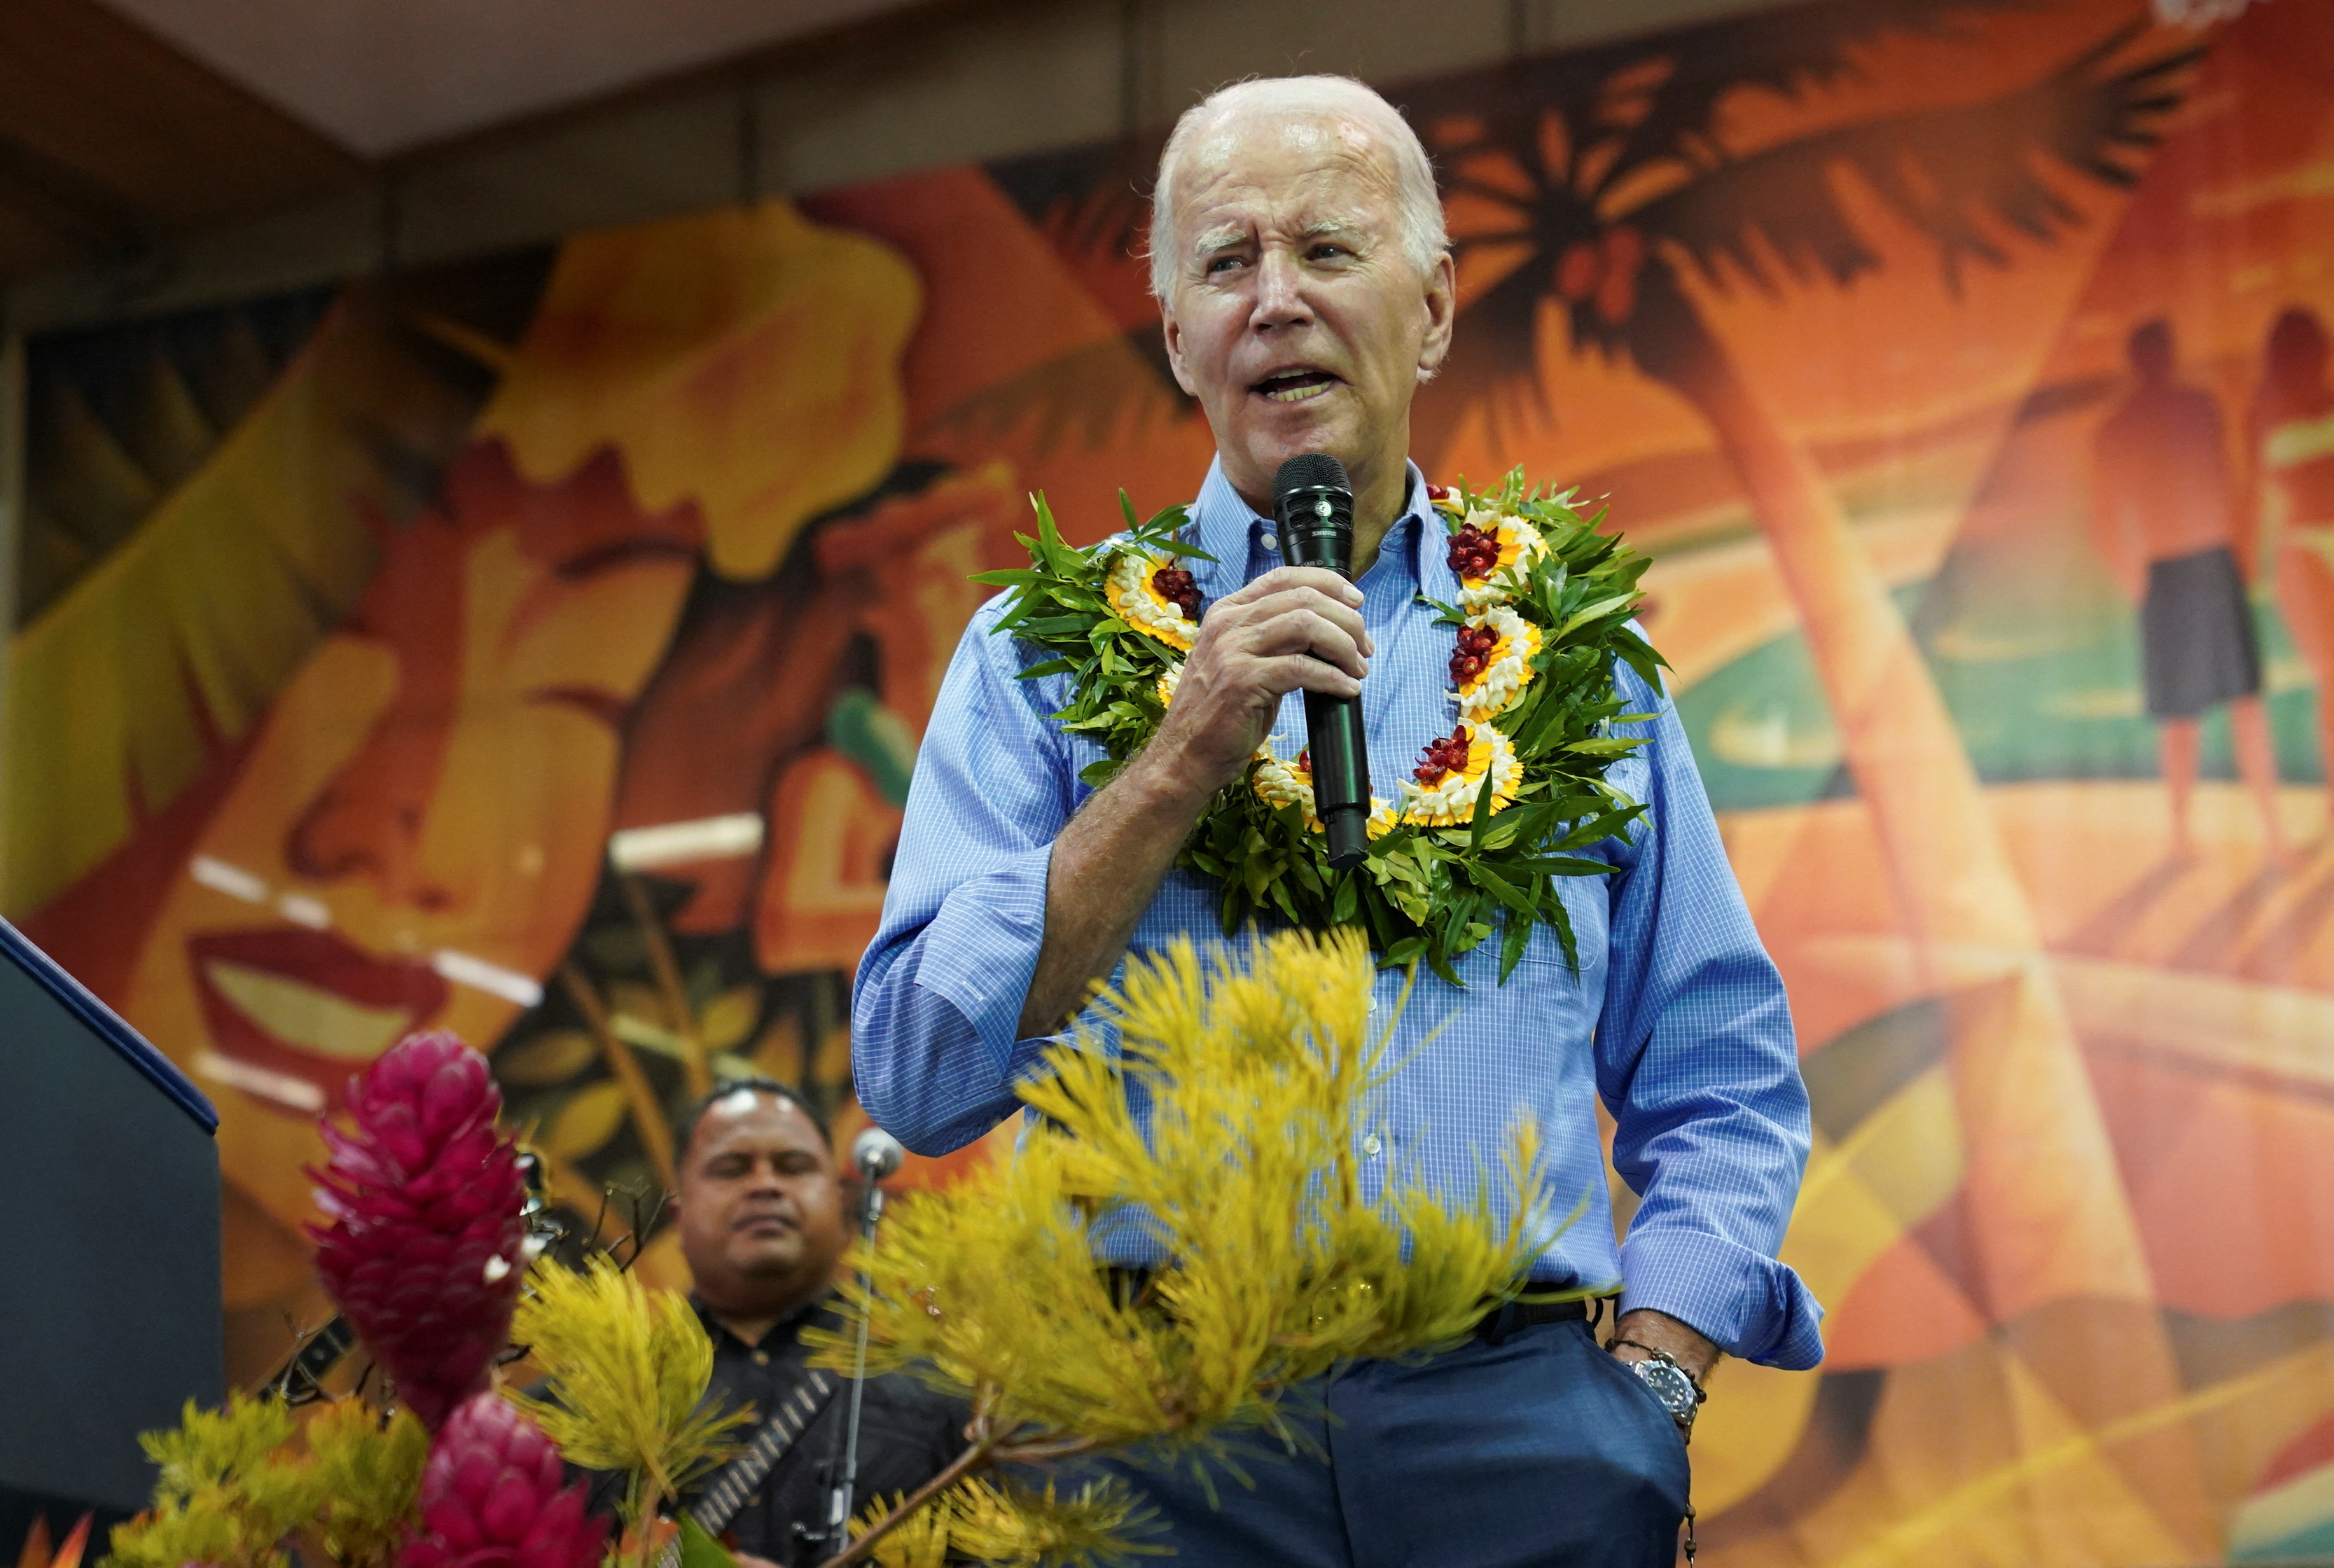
(109, 1317)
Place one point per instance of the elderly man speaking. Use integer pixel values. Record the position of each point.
(1307, 289)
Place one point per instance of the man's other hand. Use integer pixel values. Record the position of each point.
(1659, 1332)
(1295, 627)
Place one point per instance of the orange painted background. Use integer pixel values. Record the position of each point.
(376, 638)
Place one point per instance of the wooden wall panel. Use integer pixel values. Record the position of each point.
(110, 139)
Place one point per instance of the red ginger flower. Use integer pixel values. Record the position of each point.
(425, 1251)
(491, 1498)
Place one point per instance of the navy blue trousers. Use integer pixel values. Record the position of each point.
(1528, 1451)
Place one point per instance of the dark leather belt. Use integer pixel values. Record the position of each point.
(1517, 1316)
(1501, 1322)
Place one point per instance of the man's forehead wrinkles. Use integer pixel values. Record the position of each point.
(1223, 236)
(1289, 205)
(1290, 202)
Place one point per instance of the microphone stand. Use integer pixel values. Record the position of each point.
(846, 1474)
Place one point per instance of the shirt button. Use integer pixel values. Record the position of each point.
(761, 1357)
(1372, 1147)
(1270, 541)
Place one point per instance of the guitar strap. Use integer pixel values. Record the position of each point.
(721, 1496)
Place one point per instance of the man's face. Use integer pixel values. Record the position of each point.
(1294, 316)
(761, 1209)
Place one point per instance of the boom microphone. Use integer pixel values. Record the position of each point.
(1313, 509)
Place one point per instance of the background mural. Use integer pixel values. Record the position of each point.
(537, 647)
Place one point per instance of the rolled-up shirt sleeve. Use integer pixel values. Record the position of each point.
(934, 1052)
(1696, 1060)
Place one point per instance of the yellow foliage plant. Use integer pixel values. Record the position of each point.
(1224, 1123)
(627, 1373)
(975, 1521)
(367, 1473)
(235, 1487)
(628, 1367)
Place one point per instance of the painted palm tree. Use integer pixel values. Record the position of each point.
(1596, 179)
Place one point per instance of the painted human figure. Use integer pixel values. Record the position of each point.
(2292, 450)
(2164, 510)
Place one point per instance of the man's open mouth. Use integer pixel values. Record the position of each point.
(1293, 386)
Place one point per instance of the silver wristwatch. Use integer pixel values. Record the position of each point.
(1668, 1382)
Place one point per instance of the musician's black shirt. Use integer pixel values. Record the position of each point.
(907, 1435)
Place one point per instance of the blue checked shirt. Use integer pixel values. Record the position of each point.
(1677, 1018)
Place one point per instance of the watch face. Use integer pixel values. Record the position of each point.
(1672, 1387)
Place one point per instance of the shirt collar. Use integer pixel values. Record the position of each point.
(779, 1334)
(1230, 530)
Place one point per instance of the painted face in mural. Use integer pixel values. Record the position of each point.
(416, 831)
(1293, 313)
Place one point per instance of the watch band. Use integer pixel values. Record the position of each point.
(1685, 1422)
(1661, 1362)
(1662, 1356)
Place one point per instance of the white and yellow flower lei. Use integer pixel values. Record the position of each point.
(1542, 622)
(1520, 549)
(1486, 694)
(1449, 799)
(1142, 605)
(1279, 783)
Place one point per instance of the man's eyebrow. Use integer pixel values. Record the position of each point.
(1225, 235)
(1222, 237)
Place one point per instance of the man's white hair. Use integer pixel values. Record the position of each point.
(1418, 207)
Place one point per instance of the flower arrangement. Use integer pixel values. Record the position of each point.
(1495, 809)
(1242, 1169)
(1244, 1174)
(428, 1256)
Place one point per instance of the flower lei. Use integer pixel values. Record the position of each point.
(1494, 810)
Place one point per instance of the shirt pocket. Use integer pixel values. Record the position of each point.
(1544, 962)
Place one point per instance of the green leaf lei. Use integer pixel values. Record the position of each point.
(1427, 890)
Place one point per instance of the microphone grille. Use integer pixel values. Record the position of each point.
(877, 1153)
(1311, 471)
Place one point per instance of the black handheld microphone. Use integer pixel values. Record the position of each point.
(1313, 509)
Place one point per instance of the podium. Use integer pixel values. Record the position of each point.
(109, 1278)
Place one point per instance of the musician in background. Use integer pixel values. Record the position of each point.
(764, 1221)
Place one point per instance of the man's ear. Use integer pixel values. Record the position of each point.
(1442, 303)
(1174, 334)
